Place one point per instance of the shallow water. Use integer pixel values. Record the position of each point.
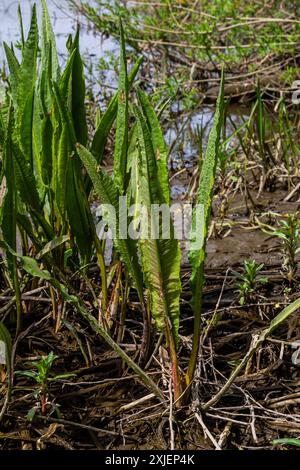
(183, 132)
(64, 22)
(183, 137)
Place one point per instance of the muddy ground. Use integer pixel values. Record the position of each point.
(99, 407)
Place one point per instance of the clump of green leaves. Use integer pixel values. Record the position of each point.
(288, 233)
(249, 281)
(50, 167)
(44, 190)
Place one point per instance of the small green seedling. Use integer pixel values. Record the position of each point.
(42, 376)
(288, 232)
(249, 281)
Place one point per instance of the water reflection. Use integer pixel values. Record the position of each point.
(64, 22)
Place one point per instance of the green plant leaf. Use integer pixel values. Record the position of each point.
(52, 245)
(27, 373)
(8, 212)
(78, 94)
(46, 132)
(14, 71)
(287, 441)
(26, 86)
(106, 123)
(204, 203)
(204, 198)
(25, 129)
(31, 414)
(121, 141)
(31, 267)
(62, 171)
(160, 257)
(28, 64)
(79, 214)
(109, 194)
(25, 180)
(158, 143)
(65, 84)
(8, 206)
(69, 169)
(48, 41)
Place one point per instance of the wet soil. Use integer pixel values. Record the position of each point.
(99, 407)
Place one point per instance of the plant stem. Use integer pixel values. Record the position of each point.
(101, 262)
(196, 333)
